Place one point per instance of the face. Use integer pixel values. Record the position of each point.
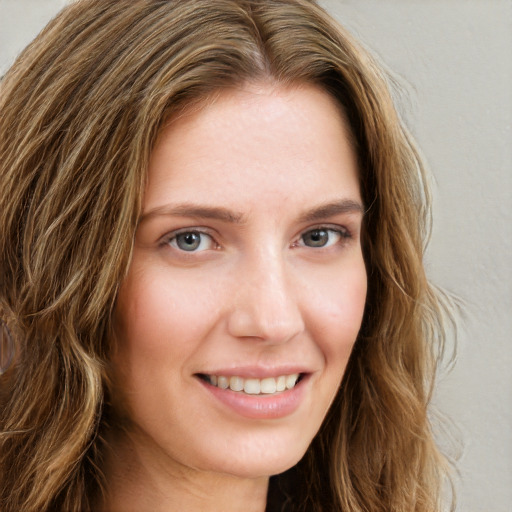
(247, 285)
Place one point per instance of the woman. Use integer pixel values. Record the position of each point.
(212, 228)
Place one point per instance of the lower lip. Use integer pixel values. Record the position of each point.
(274, 406)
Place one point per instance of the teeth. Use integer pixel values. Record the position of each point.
(251, 386)
(291, 380)
(236, 383)
(222, 383)
(267, 386)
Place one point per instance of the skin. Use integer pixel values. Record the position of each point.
(255, 296)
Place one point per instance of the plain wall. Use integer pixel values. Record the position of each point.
(454, 59)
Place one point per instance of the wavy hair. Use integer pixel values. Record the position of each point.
(80, 111)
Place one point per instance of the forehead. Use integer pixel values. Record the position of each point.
(263, 141)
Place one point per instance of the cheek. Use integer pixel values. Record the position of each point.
(335, 310)
(160, 320)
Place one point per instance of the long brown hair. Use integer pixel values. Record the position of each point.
(79, 114)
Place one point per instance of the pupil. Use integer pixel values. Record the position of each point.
(188, 241)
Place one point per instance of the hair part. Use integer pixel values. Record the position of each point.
(80, 113)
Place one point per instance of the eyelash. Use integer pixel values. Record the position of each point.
(343, 233)
(172, 237)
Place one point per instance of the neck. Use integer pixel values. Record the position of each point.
(136, 480)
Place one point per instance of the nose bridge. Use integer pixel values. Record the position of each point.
(266, 305)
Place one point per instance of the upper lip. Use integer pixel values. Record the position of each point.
(257, 372)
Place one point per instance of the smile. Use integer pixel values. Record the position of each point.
(266, 386)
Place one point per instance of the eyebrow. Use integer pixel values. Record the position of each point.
(196, 211)
(329, 209)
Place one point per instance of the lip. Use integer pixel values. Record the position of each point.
(262, 407)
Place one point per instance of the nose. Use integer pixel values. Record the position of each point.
(265, 304)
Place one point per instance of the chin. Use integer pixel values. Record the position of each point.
(262, 458)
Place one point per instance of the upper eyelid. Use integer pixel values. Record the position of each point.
(328, 227)
(173, 234)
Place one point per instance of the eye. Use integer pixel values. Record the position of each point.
(322, 237)
(191, 241)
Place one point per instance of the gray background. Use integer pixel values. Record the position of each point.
(454, 60)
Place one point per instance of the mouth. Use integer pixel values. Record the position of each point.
(251, 386)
